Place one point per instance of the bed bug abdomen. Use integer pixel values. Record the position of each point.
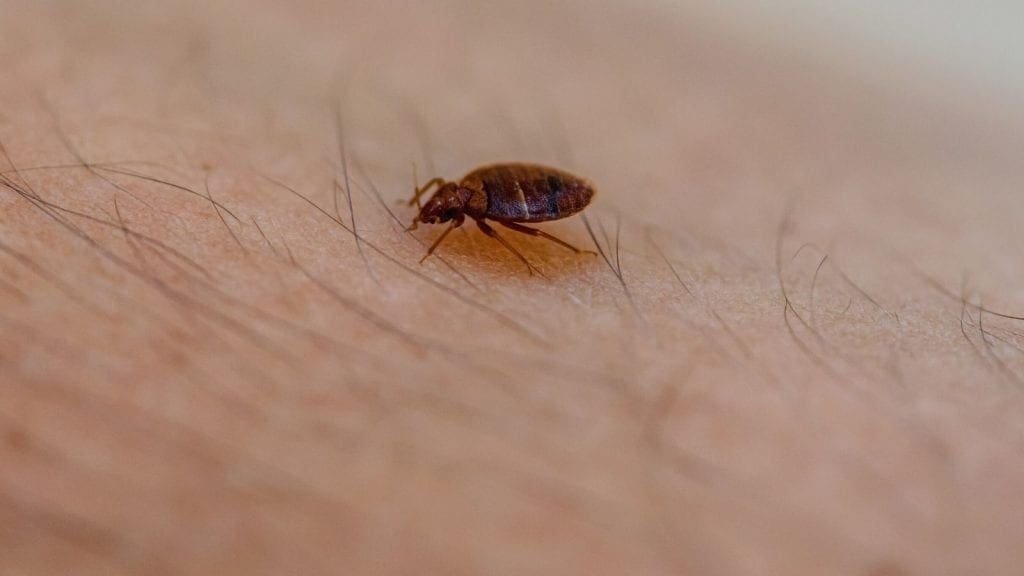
(529, 192)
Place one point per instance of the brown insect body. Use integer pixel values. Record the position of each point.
(529, 193)
(509, 194)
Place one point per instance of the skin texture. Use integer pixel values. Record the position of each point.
(794, 355)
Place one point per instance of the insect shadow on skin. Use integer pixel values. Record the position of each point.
(509, 194)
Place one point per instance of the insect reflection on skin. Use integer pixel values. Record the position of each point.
(509, 194)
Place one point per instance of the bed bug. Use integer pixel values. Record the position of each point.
(509, 194)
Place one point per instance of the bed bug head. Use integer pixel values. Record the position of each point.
(448, 203)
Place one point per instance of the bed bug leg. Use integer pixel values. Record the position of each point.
(490, 232)
(543, 234)
(421, 191)
(416, 187)
(455, 224)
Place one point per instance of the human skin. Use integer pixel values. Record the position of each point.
(796, 354)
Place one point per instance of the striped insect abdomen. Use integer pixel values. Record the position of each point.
(531, 193)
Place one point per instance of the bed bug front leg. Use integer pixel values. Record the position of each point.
(455, 224)
(416, 200)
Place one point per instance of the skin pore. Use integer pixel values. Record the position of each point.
(798, 351)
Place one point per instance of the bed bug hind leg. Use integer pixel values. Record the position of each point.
(543, 234)
(493, 234)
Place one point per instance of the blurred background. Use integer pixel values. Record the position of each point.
(978, 42)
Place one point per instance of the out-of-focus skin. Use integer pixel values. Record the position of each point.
(797, 365)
